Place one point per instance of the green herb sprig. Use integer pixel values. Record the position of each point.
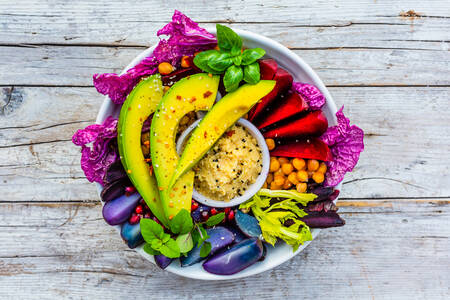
(230, 60)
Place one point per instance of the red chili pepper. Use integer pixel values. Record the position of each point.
(311, 148)
(292, 104)
(313, 124)
(283, 82)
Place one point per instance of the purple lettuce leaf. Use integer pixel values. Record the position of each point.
(312, 95)
(346, 144)
(185, 38)
(96, 159)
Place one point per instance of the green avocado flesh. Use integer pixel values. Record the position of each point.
(193, 93)
(139, 105)
(222, 116)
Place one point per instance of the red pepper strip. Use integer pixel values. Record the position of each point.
(311, 148)
(313, 124)
(284, 82)
(268, 68)
(292, 104)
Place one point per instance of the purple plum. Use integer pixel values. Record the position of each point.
(117, 211)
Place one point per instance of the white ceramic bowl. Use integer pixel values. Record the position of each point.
(301, 72)
(256, 186)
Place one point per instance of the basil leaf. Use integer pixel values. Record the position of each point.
(227, 39)
(251, 55)
(148, 249)
(201, 60)
(165, 238)
(156, 244)
(151, 230)
(232, 77)
(220, 63)
(216, 219)
(251, 73)
(182, 222)
(185, 242)
(237, 60)
(170, 249)
(205, 250)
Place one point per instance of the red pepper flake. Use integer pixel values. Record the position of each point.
(166, 145)
(175, 189)
(147, 160)
(216, 128)
(207, 94)
(147, 143)
(178, 97)
(209, 74)
(161, 188)
(205, 135)
(231, 132)
(129, 108)
(192, 99)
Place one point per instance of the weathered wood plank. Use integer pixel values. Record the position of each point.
(344, 23)
(388, 249)
(74, 66)
(407, 142)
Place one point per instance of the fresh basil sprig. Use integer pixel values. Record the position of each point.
(237, 65)
(158, 242)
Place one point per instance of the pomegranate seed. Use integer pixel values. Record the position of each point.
(205, 215)
(227, 210)
(231, 215)
(138, 209)
(135, 219)
(194, 206)
(147, 216)
(130, 189)
(213, 211)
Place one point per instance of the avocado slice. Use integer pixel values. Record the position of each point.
(139, 105)
(193, 93)
(221, 117)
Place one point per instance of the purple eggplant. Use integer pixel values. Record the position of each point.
(114, 172)
(162, 261)
(235, 259)
(323, 219)
(247, 224)
(219, 237)
(238, 235)
(117, 211)
(114, 189)
(131, 234)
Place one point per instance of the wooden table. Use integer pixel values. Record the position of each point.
(386, 61)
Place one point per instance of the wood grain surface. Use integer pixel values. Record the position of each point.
(387, 62)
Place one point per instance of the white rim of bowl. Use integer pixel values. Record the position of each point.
(254, 187)
(282, 50)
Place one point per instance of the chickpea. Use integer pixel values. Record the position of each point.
(274, 165)
(165, 68)
(269, 178)
(318, 177)
(283, 160)
(310, 174)
(322, 168)
(302, 176)
(270, 144)
(273, 186)
(279, 180)
(279, 172)
(301, 187)
(313, 165)
(287, 185)
(287, 168)
(299, 163)
(264, 185)
(185, 62)
(293, 178)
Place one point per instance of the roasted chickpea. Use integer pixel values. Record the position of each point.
(185, 62)
(165, 68)
(283, 160)
(269, 178)
(310, 174)
(273, 186)
(287, 185)
(302, 176)
(270, 144)
(264, 185)
(313, 165)
(322, 168)
(301, 187)
(287, 168)
(278, 172)
(279, 180)
(318, 177)
(274, 164)
(298, 163)
(293, 178)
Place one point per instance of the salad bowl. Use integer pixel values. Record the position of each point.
(301, 71)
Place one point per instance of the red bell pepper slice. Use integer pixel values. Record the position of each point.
(313, 124)
(291, 104)
(311, 148)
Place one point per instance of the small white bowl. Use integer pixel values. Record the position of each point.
(256, 186)
(301, 71)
